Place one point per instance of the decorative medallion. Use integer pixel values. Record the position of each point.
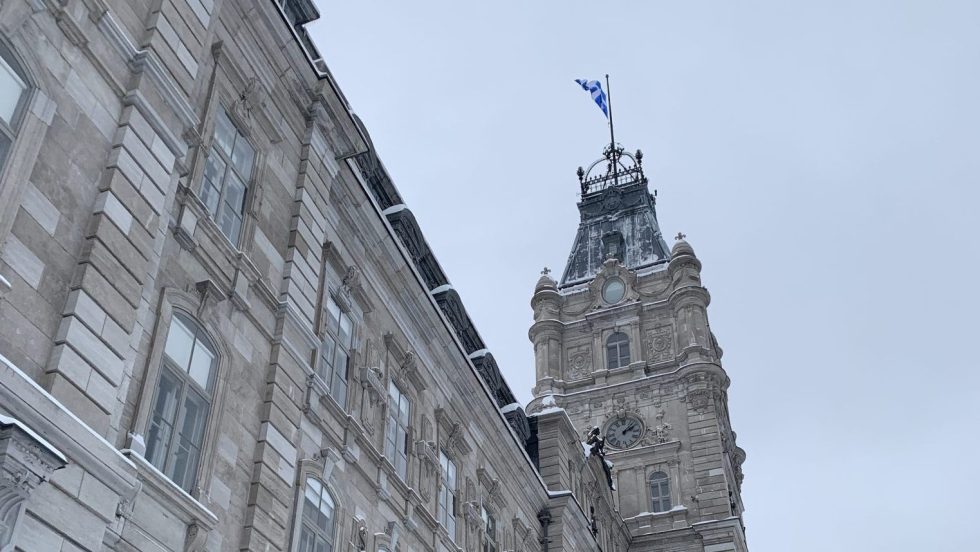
(659, 343)
(579, 362)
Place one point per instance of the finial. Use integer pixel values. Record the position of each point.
(639, 157)
(546, 271)
(581, 173)
(680, 236)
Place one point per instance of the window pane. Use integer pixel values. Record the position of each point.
(201, 365)
(11, 90)
(180, 340)
(340, 365)
(345, 330)
(224, 132)
(229, 222)
(195, 414)
(214, 174)
(162, 420)
(4, 147)
(333, 314)
(235, 193)
(243, 157)
(403, 406)
(306, 538)
(326, 359)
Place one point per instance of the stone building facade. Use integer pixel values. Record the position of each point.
(221, 328)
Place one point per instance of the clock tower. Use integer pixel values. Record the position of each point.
(622, 343)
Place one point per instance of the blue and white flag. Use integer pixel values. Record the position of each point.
(595, 88)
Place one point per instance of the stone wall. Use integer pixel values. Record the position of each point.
(108, 239)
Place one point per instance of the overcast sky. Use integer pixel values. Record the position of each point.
(823, 159)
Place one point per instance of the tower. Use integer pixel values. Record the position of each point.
(622, 343)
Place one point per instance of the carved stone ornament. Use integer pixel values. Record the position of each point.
(26, 461)
(426, 451)
(579, 362)
(660, 344)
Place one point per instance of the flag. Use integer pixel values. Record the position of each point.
(595, 88)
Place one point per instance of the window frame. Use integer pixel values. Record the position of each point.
(615, 351)
(658, 499)
(488, 542)
(300, 520)
(167, 366)
(338, 375)
(396, 457)
(222, 113)
(446, 501)
(9, 130)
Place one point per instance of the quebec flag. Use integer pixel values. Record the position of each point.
(595, 88)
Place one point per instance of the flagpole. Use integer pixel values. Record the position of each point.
(612, 135)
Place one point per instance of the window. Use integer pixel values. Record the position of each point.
(338, 334)
(13, 95)
(617, 351)
(660, 492)
(613, 247)
(183, 401)
(227, 173)
(396, 430)
(490, 532)
(447, 495)
(317, 529)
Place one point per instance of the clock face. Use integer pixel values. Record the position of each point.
(624, 432)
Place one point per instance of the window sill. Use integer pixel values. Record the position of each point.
(188, 509)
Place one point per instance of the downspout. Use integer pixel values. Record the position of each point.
(544, 517)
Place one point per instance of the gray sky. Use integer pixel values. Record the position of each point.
(822, 158)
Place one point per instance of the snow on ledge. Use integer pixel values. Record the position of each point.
(394, 209)
(441, 289)
(510, 407)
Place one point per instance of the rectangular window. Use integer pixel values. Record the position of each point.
(227, 173)
(396, 430)
(338, 335)
(489, 531)
(447, 495)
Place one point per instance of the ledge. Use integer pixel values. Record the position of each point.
(188, 508)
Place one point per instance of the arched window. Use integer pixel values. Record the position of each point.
(659, 492)
(227, 174)
(13, 96)
(183, 402)
(617, 351)
(316, 533)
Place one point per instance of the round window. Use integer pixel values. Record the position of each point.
(613, 290)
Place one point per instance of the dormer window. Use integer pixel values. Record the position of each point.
(613, 247)
(299, 12)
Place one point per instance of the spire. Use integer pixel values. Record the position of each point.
(618, 217)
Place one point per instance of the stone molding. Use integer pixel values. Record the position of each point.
(26, 461)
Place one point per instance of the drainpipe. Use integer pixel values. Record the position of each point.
(544, 516)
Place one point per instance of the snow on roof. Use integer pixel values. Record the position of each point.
(510, 407)
(477, 353)
(441, 289)
(6, 420)
(394, 209)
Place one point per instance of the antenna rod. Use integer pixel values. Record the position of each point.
(612, 136)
